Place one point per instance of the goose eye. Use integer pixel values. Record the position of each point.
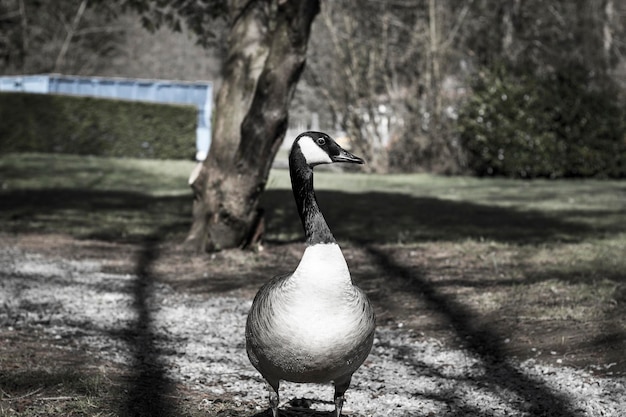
(321, 141)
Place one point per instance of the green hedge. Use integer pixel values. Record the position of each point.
(90, 126)
(525, 126)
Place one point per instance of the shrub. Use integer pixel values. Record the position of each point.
(90, 126)
(553, 127)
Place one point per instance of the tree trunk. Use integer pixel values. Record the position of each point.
(267, 53)
(607, 32)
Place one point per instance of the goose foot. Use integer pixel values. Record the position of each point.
(339, 405)
(273, 397)
(340, 390)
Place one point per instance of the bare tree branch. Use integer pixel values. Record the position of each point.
(460, 19)
(24, 24)
(71, 31)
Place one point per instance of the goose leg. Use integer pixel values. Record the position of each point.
(273, 396)
(341, 387)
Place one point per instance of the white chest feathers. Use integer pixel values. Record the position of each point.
(322, 267)
(316, 325)
(321, 301)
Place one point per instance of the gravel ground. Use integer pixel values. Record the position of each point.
(198, 341)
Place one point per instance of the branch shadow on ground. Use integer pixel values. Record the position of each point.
(480, 340)
(107, 215)
(124, 216)
(149, 390)
(376, 217)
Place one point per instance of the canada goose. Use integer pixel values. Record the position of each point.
(312, 325)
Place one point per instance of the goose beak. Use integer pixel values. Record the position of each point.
(345, 156)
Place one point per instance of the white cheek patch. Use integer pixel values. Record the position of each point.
(313, 154)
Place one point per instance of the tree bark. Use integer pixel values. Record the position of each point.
(267, 53)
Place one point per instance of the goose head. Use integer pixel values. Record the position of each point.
(318, 148)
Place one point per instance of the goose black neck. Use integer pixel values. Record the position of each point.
(316, 229)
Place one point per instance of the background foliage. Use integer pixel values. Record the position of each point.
(543, 126)
(88, 126)
(402, 80)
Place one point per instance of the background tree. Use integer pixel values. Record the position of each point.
(546, 96)
(365, 62)
(163, 54)
(380, 68)
(265, 55)
(419, 61)
(69, 36)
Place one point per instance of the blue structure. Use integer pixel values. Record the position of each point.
(199, 94)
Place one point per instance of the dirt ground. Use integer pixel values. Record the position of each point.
(162, 332)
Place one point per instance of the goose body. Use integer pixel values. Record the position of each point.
(312, 325)
(317, 330)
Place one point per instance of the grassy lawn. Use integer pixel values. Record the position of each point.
(125, 198)
(537, 266)
(86, 197)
